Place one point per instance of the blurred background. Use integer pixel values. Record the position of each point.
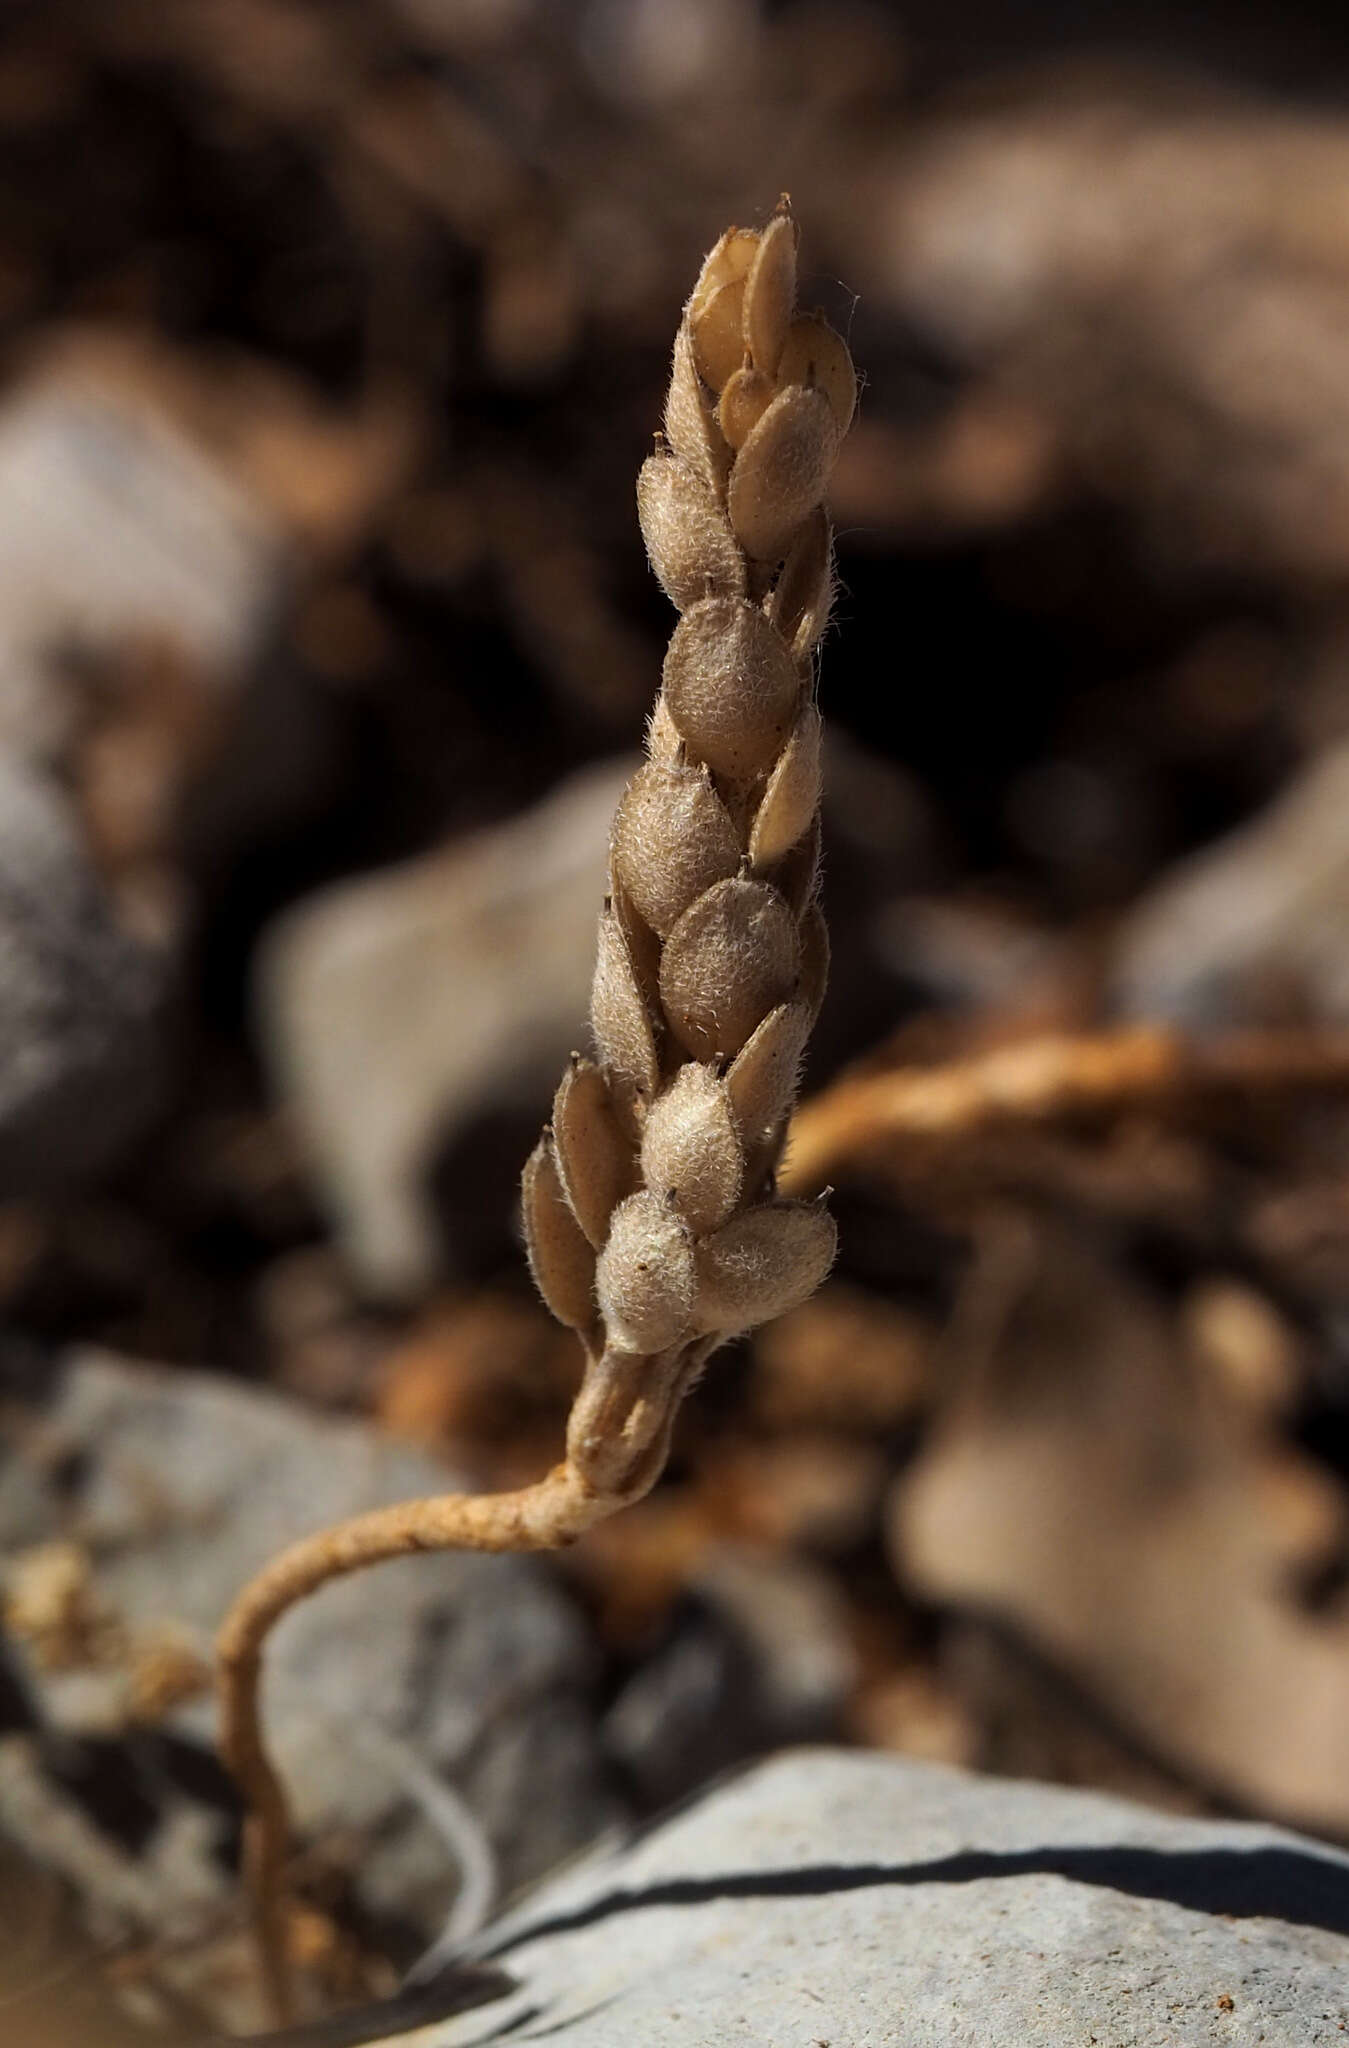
(332, 337)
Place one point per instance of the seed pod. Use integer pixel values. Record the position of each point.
(761, 1263)
(691, 1153)
(801, 597)
(690, 422)
(761, 1081)
(692, 549)
(814, 960)
(594, 1159)
(672, 838)
(731, 686)
(748, 394)
(644, 1279)
(814, 355)
(770, 293)
(780, 474)
(797, 874)
(732, 957)
(619, 1017)
(663, 741)
(715, 314)
(792, 795)
(560, 1257)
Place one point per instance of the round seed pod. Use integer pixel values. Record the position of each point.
(770, 293)
(560, 1256)
(733, 956)
(691, 546)
(800, 599)
(731, 686)
(746, 398)
(691, 1155)
(792, 795)
(619, 1017)
(594, 1159)
(690, 422)
(761, 1081)
(780, 474)
(644, 1278)
(814, 355)
(761, 1263)
(672, 838)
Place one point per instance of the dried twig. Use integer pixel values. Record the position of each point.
(1052, 1076)
(651, 1211)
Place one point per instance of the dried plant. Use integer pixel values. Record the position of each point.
(651, 1213)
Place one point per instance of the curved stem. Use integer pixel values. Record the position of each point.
(544, 1516)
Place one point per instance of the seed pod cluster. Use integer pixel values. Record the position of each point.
(650, 1209)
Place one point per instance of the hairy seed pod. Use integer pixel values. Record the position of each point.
(619, 1016)
(644, 1279)
(731, 686)
(780, 474)
(690, 545)
(594, 1159)
(761, 1080)
(814, 960)
(746, 398)
(732, 957)
(560, 1255)
(814, 355)
(672, 838)
(761, 1263)
(792, 794)
(663, 739)
(800, 599)
(691, 1153)
(715, 315)
(690, 421)
(770, 293)
(797, 874)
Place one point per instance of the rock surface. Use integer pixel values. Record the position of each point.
(844, 1898)
(398, 1006)
(174, 1488)
(1254, 926)
(79, 999)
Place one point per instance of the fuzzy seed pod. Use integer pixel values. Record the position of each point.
(731, 686)
(814, 960)
(780, 473)
(732, 957)
(761, 1263)
(770, 294)
(814, 355)
(801, 597)
(797, 875)
(672, 838)
(619, 1016)
(691, 1156)
(644, 1281)
(560, 1256)
(761, 1080)
(690, 421)
(715, 314)
(594, 1159)
(746, 398)
(690, 545)
(791, 796)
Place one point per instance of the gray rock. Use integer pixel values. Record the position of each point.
(396, 1007)
(1253, 922)
(79, 999)
(458, 1668)
(830, 1899)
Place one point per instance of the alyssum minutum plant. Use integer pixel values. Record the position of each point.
(651, 1215)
